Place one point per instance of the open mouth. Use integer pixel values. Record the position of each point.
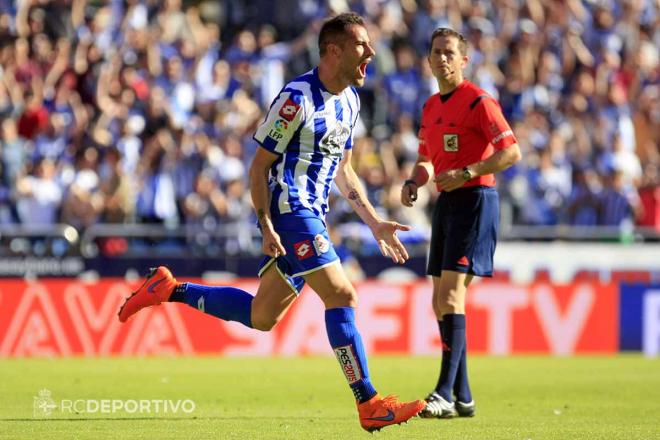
(363, 69)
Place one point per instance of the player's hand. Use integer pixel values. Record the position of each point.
(408, 194)
(450, 180)
(389, 244)
(272, 245)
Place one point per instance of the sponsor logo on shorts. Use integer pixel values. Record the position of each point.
(321, 244)
(289, 109)
(348, 363)
(451, 142)
(303, 249)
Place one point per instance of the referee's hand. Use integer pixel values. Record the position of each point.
(408, 193)
(450, 180)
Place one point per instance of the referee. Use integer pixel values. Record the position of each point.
(463, 139)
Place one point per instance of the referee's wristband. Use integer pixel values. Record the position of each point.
(409, 181)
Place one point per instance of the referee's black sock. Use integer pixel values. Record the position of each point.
(461, 384)
(453, 343)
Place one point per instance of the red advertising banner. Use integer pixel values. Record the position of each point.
(58, 317)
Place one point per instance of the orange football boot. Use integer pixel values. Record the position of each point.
(156, 289)
(378, 412)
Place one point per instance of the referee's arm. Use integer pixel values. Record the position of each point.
(421, 173)
(498, 161)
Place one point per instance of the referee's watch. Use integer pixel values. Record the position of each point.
(467, 174)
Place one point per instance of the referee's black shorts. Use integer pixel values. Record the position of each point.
(464, 231)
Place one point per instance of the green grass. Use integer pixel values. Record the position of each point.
(255, 398)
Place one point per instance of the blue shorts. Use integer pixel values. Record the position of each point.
(307, 244)
(464, 231)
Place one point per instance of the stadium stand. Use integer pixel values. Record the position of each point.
(141, 113)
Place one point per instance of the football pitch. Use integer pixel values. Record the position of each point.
(535, 398)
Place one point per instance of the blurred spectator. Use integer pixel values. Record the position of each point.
(167, 95)
(83, 202)
(349, 262)
(116, 190)
(649, 194)
(39, 195)
(206, 204)
(15, 151)
(583, 206)
(403, 86)
(618, 204)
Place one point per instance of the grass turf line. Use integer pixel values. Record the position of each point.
(613, 397)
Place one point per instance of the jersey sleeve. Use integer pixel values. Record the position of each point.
(422, 138)
(422, 149)
(493, 125)
(286, 114)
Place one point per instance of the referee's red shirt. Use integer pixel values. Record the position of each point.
(465, 129)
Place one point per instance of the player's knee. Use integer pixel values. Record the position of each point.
(264, 324)
(342, 297)
(263, 320)
(448, 303)
(453, 305)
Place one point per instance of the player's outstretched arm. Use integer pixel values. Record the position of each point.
(384, 231)
(263, 159)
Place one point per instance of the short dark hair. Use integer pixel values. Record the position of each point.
(335, 29)
(447, 32)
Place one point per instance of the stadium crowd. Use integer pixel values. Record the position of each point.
(143, 110)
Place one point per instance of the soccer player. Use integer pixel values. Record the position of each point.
(306, 142)
(463, 139)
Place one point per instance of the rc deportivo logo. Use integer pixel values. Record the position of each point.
(43, 405)
(321, 244)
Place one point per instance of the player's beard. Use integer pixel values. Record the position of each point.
(357, 82)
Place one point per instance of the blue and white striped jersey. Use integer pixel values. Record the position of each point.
(309, 128)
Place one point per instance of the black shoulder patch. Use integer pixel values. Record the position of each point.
(476, 101)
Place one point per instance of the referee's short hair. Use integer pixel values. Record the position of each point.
(334, 29)
(448, 32)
